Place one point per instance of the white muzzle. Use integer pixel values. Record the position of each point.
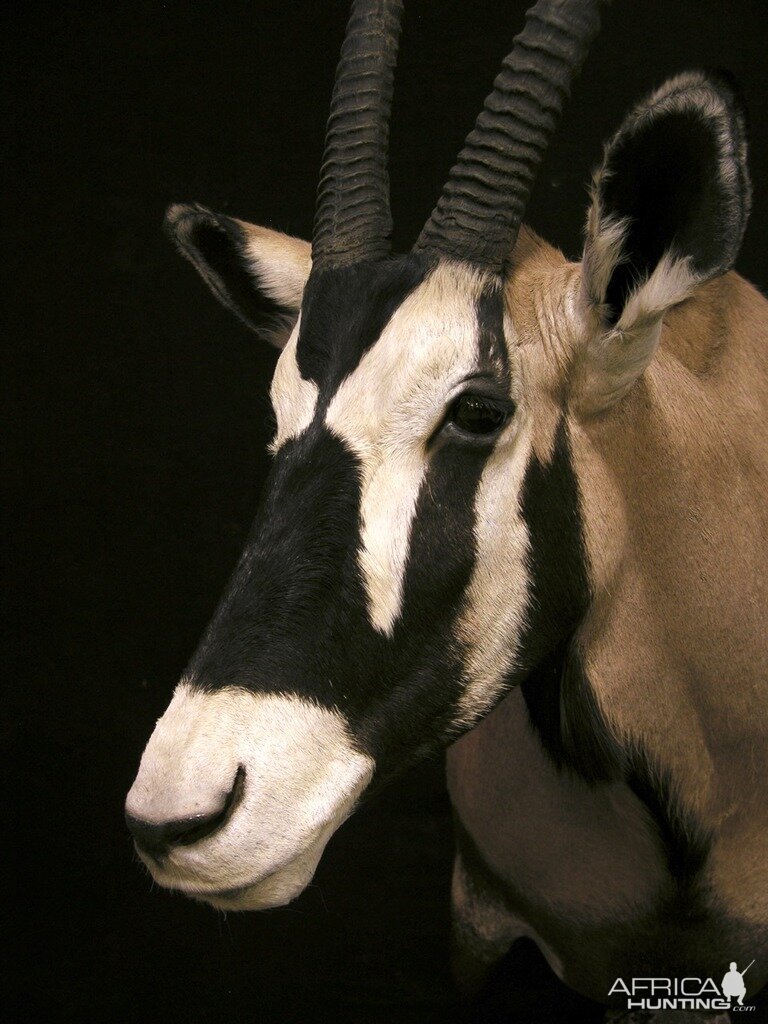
(272, 776)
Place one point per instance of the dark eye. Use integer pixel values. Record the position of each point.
(478, 415)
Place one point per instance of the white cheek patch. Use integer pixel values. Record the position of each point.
(303, 777)
(497, 596)
(387, 409)
(294, 398)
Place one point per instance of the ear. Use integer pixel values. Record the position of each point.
(669, 208)
(256, 273)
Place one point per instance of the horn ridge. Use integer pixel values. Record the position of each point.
(479, 212)
(353, 220)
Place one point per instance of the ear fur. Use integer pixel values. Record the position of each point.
(669, 207)
(257, 273)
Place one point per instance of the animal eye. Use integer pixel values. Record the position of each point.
(476, 414)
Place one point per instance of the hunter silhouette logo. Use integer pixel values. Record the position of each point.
(733, 983)
(690, 993)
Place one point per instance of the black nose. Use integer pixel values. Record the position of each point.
(157, 838)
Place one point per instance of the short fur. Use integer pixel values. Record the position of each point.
(584, 583)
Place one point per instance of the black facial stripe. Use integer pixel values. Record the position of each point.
(558, 563)
(492, 344)
(297, 580)
(560, 703)
(294, 619)
(425, 675)
(425, 670)
(344, 312)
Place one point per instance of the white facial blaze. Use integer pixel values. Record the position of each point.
(388, 511)
(302, 779)
(388, 408)
(294, 399)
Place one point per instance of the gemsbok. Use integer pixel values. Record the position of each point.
(518, 509)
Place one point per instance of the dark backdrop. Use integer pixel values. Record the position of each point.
(137, 420)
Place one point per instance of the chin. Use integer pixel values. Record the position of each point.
(260, 896)
(225, 892)
(275, 890)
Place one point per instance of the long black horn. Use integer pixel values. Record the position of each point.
(353, 221)
(479, 213)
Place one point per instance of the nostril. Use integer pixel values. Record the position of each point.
(157, 838)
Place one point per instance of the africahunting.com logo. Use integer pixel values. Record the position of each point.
(685, 993)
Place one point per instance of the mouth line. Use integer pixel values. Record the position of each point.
(187, 886)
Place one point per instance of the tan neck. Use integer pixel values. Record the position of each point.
(672, 483)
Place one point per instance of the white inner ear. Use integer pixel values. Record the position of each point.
(615, 358)
(671, 282)
(280, 263)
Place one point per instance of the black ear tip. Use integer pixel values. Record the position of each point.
(176, 223)
(724, 80)
(175, 212)
(726, 83)
(727, 89)
(180, 219)
(189, 224)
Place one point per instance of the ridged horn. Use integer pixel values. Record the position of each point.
(353, 220)
(482, 205)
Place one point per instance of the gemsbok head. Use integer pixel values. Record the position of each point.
(418, 548)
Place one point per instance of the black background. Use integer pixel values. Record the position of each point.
(137, 418)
